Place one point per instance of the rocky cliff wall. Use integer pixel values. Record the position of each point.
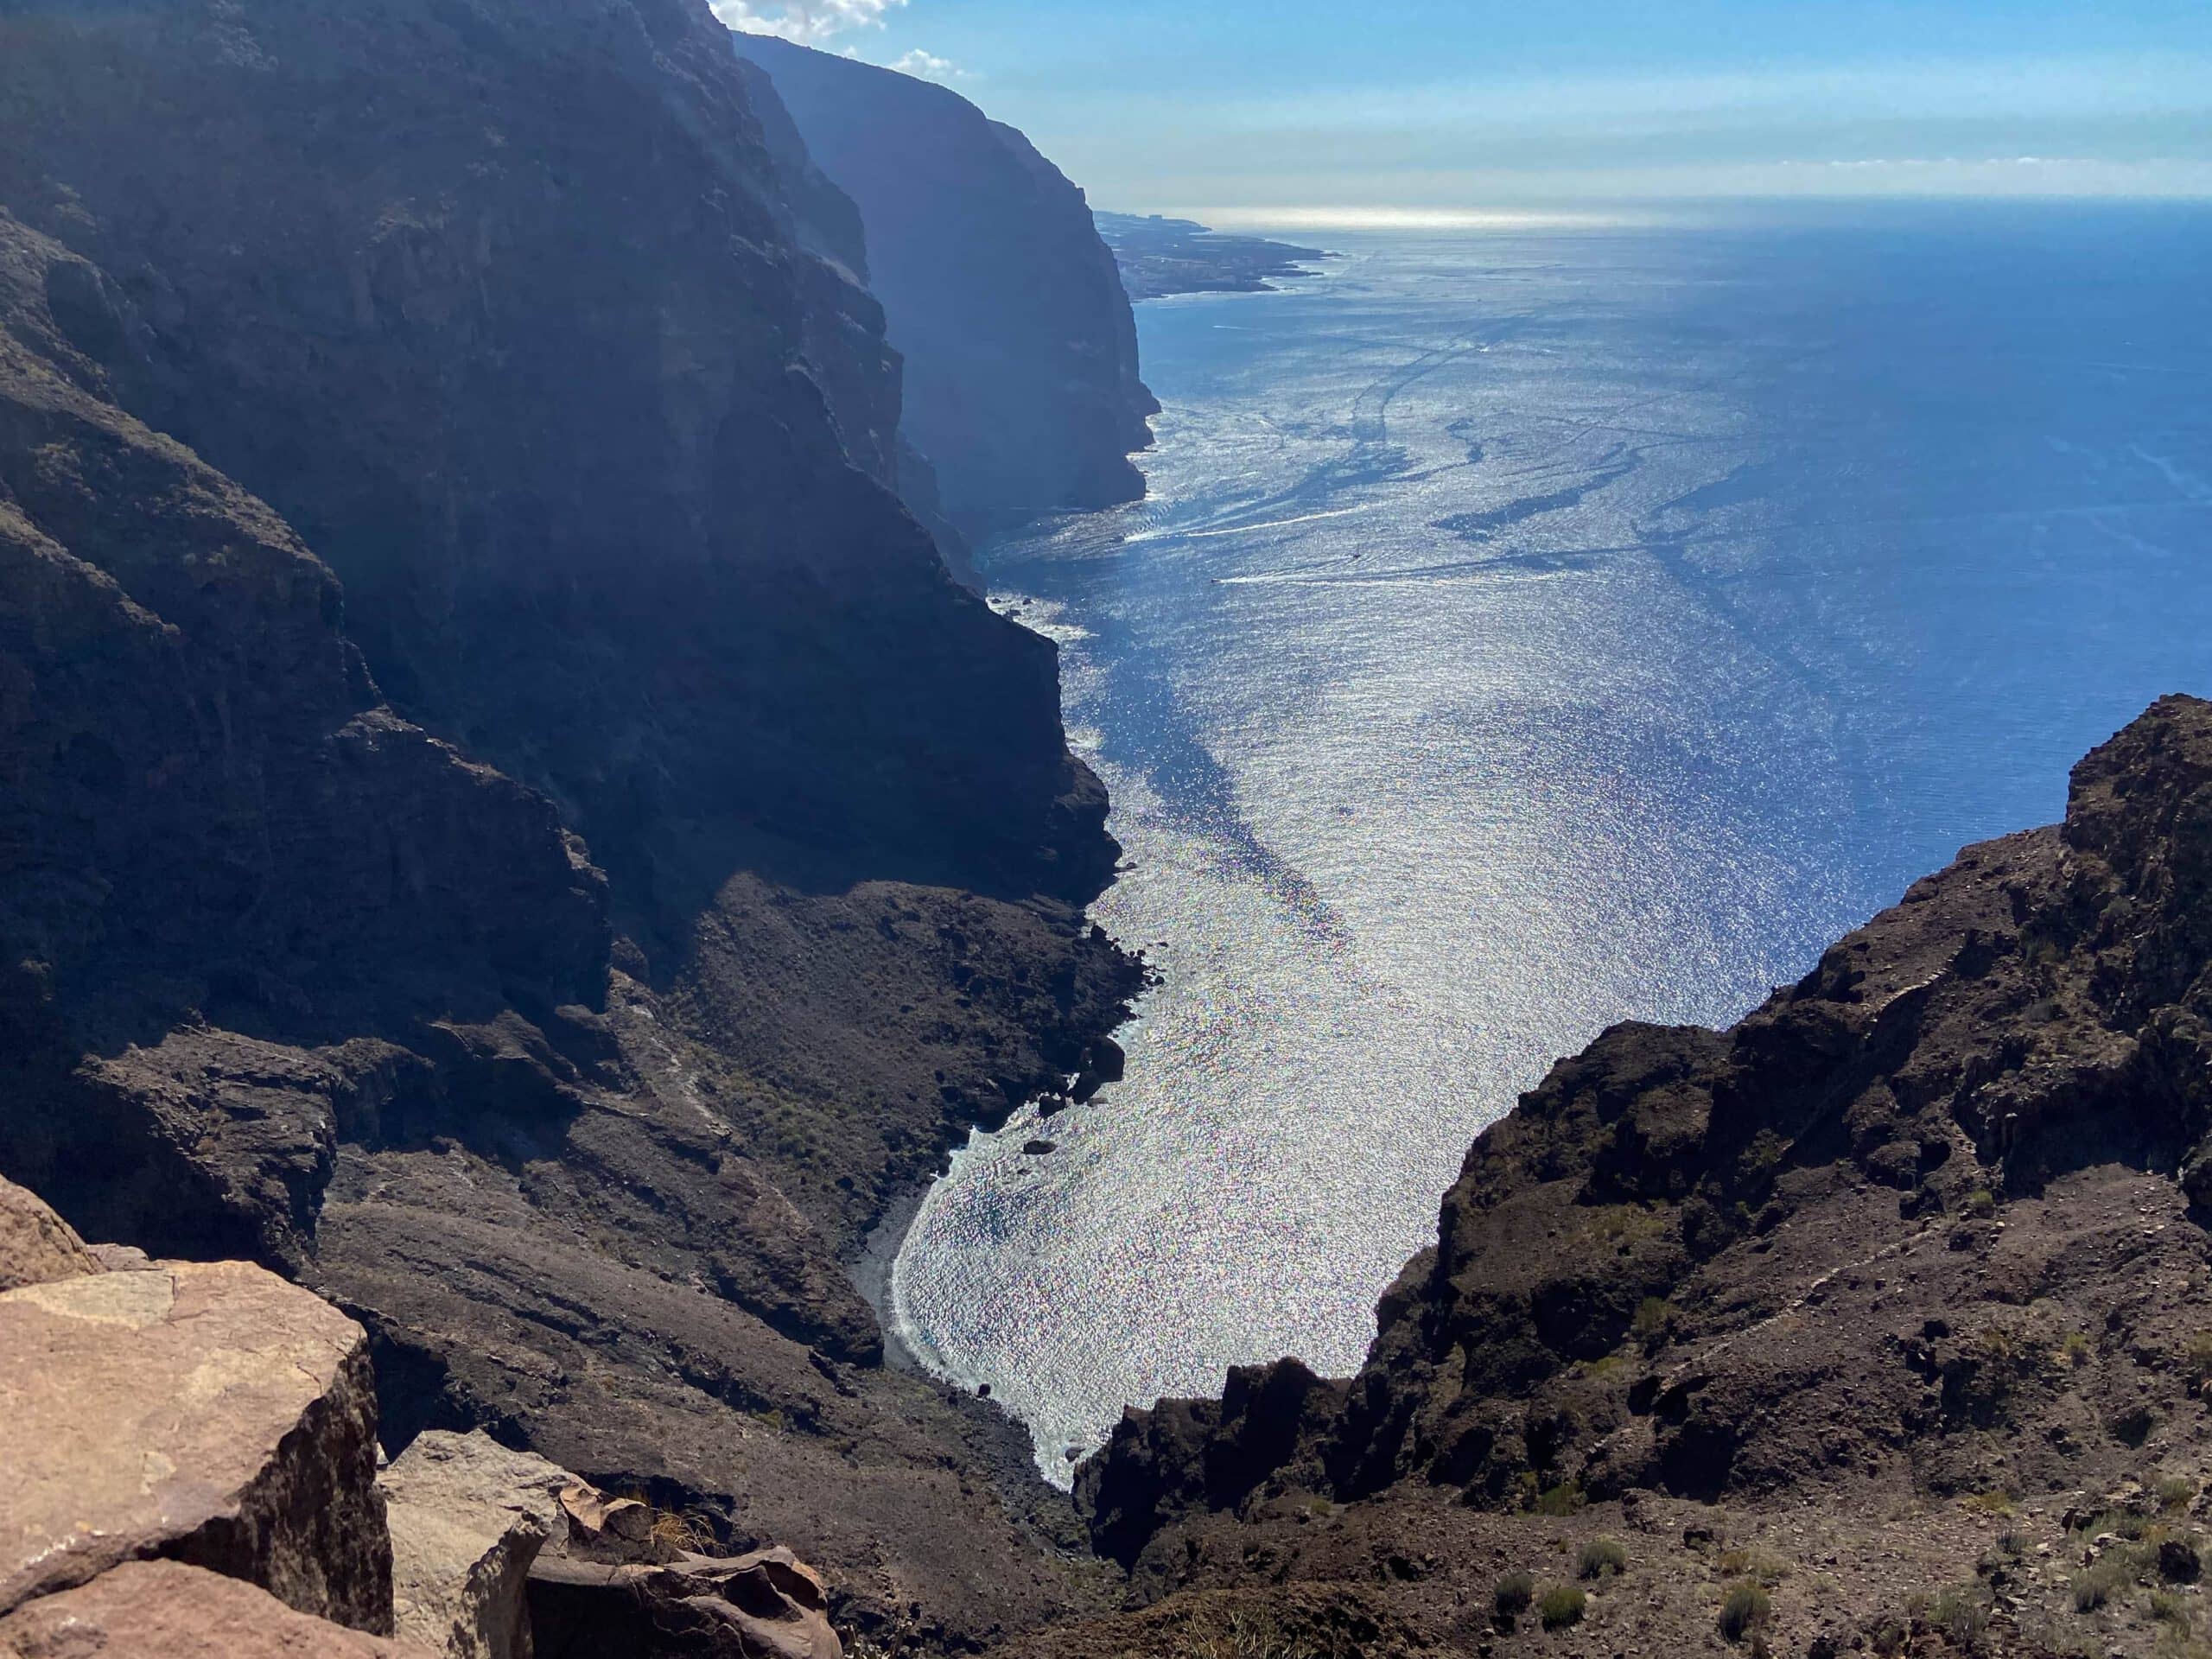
(1021, 383)
(1902, 1277)
(430, 441)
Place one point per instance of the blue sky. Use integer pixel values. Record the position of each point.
(1297, 112)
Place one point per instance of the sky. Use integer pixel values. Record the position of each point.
(1290, 112)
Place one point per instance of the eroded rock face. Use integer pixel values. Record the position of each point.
(165, 1609)
(768, 1605)
(467, 1518)
(36, 1246)
(1927, 1222)
(599, 441)
(208, 1413)
(1021, 352)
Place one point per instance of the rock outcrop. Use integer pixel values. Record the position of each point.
(467, 1517)
(768, 1605)
(1158, 256)
(1021, 383)
(165, 1609)
(1911, 1257)
(210, 1414)
(36, 1246)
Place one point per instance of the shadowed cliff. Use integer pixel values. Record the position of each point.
(507, 818)
(1021, 382)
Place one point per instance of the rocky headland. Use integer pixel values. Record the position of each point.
(1021, 352)
(1160, 257)
(1881, 1322)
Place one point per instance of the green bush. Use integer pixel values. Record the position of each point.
(1561, 1606)
(1761, 1565)
(2095, 1586)
(1562, 1499)
(1514, 1594)
(1651, 1316)
(1961, 1615)
(1745, 1608)
(1602, 1558)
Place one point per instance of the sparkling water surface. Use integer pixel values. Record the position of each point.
(1531, 630)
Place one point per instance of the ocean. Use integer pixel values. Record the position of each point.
(1532, 629)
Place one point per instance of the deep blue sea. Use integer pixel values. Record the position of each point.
(1529, 630)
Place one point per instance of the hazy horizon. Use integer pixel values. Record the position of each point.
(1296, 112)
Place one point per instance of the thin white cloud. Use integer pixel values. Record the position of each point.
(809, 21)
(927, 66)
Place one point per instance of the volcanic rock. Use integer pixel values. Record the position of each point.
(467, 1518)
(1020, 351)
(36, 1246)
(211, 1413)
(165, 1609)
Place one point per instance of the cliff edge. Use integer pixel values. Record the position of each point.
(1020, 351)
(1882, 1313)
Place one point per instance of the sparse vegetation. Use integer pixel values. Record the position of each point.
(2175, 1492)
(1992, 1501)
(1603, 1558)
(1762, 1566)
(2075, 1350)
(1561, 1605)
(2169, 1609)
(1562, 1499)
(688, 1533)
(1746, 1608)
(1514, 1594)
(1960, 1615)
(1980, 1203)
(1760, 1160)
(2196, 1363)
(1653, 1314)
(2095, 1586)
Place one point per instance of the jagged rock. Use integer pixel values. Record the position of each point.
(768, 1605)
(165, 1609)
(1927, 1215)
(593, 1518)
(36, 1246)
(467, 1518)
(213, 1414)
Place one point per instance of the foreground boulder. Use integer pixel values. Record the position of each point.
(36, 1246)
(165, 1609)
(467, 1518)
(211, 1413)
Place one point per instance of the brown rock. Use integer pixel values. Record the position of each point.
(768, 1605)
(165, 1609)
(594, 1516)
(467, 1518)
(36, 1246)
(212, 1413)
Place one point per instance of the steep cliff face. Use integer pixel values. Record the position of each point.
(1021, 380)
(431, 437)
(504, 309)
(1927, 1227)
(212, 820)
